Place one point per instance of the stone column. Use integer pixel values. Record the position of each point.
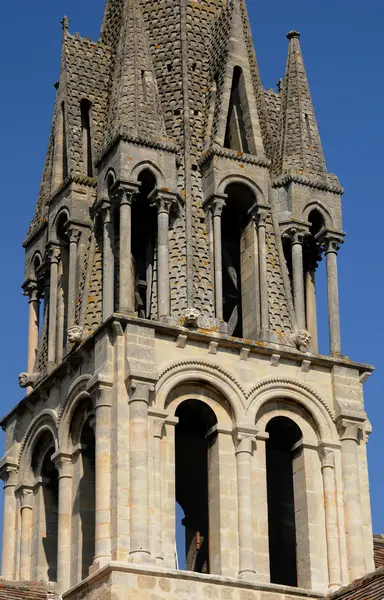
(63, 463)
(31, 290)
(26, 499)
(138, 452)
(108, 260)
(9, 475)
(164, 201)
(101, 393)
(126, 195)
(244, 442)
(350, 437)
(158, 426)
(331, 242)
(262, 216)
(297, 237)
(331, 519)
(74, 236)
(311, 308)
(217, 204)
(54, 257)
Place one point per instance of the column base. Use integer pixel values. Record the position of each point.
(247, 575)
(141, 557)
(98, 563)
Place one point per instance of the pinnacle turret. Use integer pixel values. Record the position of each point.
(298, 147)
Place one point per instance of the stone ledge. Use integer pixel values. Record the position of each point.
(142, 578)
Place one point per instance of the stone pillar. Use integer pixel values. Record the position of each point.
(26, 499)
(139, 483)
(331, 242)
(31, 290)
(101, 393)
(311, 308)
(63, 463)
(74, 236)
(108, 260)
(158, 427)
(262, 216)
(164, 201)
(297, 236)
(331, 519)
(54, 257)
(217, 204)
(244, 442)
(126, 195)
(350, 437)
(9, 475)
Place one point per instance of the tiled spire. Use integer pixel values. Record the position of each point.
(298, 148)
(134, 106)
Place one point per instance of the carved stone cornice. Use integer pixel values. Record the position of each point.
(227, 153)
(328, 184)
(125, 136)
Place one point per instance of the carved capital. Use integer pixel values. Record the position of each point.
(8, 472)
(31, 289)
(296, 233)
(350, 430)
(260, 214)
(25, 493)
(139, 391)
(74, 234)
(63, 464)
(244, 439)
(99, 388)
(330, 240)
(165, 201)
(216, 204)
(103, 210)
(53, 253)
(125, 193)
(327, 457)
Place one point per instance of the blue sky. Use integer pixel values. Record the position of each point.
(343, 47)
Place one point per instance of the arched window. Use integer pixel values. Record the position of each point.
(236, 135)
(62, 295)
(144, 234)
(281, 473)
(312, 258)
(239, 265)
(195, 439)
(83, 515)
(45, 514)
(86, 130)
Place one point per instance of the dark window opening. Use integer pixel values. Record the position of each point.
(64, 142)
(196, 419)
(235, 223)
(86, 108)
(87, 497)
(236, 135)
(283, 435)
(144, 233)
(62, 302)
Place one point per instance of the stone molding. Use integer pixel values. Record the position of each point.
(81, 383)
(46, 418)
(330, 184)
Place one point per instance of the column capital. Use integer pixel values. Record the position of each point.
(244, 439)
(139, 391)
(330, 240)
(103, 210)
(8, 471)
(125, 192)
(216, 204)
(327, 458)
(25, 493)
(166, 202)
(53, 253)
(296, 232)
(260, 214)
(350, 430)
(159, 419)
(74, 233)
(99, 388)
(31, 289)
(63, 464)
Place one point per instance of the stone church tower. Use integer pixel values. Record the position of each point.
(172, 358)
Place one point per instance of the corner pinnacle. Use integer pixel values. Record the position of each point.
(291, 35)
(65, 23)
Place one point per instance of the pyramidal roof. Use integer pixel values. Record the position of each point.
(134, 106)
(298, 149)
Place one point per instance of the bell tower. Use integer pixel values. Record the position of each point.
(172, 346)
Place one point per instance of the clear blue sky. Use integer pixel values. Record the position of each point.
(343, 48)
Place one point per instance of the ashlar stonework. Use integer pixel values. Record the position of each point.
(173, 343)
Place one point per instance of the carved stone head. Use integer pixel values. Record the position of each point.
(191, 316)
(28, 379)
(301, 339)
(75, 334)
